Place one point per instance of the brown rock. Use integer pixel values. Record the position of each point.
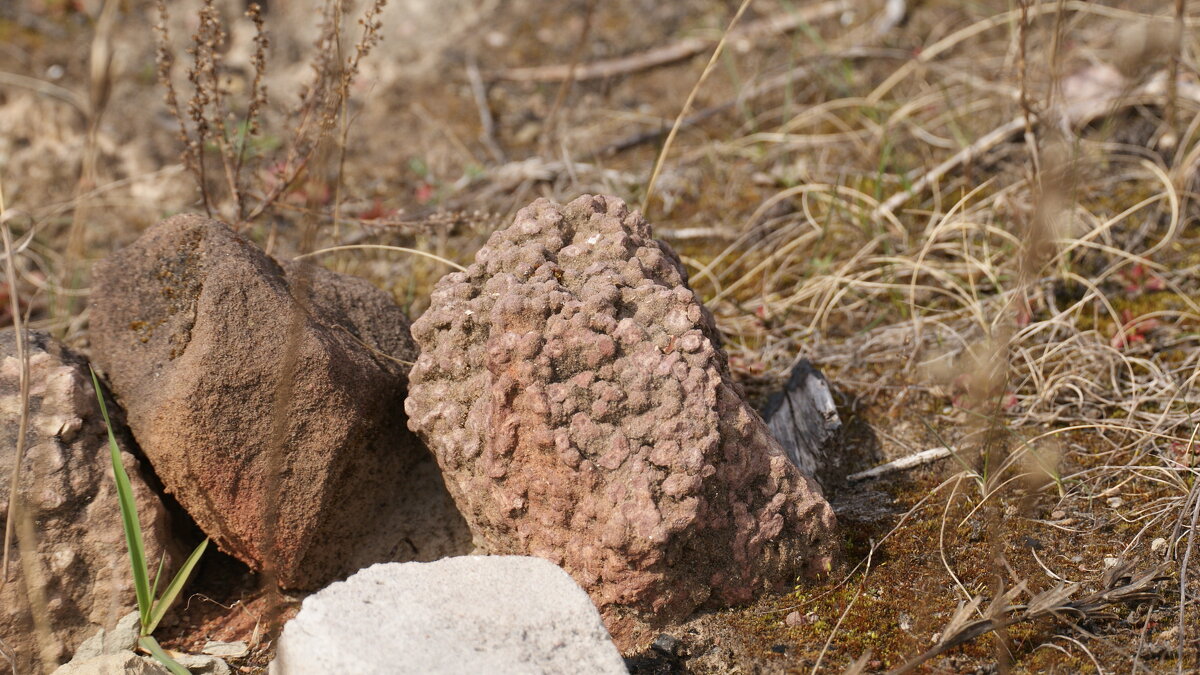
(265, 396)
(67, 488)
(574, 391)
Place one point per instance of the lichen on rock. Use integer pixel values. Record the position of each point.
(574, 391)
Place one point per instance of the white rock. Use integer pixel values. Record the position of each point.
(473, 614)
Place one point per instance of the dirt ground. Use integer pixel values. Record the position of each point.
(977, 218)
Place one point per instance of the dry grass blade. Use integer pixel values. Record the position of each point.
(859, 665)
(1194, 497)
(14, 483)
(1118, 587)
(687, 105)
(382, 247)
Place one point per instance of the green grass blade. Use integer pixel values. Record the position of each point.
(151, 645)
(129, 518)
(162, 560)
(176, 585)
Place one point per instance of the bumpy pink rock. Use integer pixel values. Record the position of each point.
(574, 391)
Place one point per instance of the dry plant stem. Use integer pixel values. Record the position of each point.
(370, 24)
(687, 106)
(381, 247)
(258, 101)
(931, 52)
(487, 121)
(1172, 105)
(678, 51)
(908, 462)
(164, 61)
(35, 582)
(100, 88)
(561, 96)
(1194, 496)
(1023, 65)
(8, 654)
(967, 154)
(48, 89)
(14, 482)
(35, 588)
(321, 102)
(1118, 588)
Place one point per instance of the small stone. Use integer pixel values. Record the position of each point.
(1115, 502)
(201, 664)
(1158, 544)
(226, 650)
(123, 637)
(794, 619)
(666, 644)
(1110, 562)
(1058, 514)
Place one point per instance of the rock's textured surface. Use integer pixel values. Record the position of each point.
(267, 397)
(476, 614)
(121, 663)
(576, 396)
(67, 490)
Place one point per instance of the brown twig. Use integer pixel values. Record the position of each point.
(751, 93)
(1170, 136)
(565, 86)
(487, 122)
(755, 32)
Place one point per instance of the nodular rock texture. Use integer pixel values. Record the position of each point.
(575, 393)
(69, 498)
(268, 397)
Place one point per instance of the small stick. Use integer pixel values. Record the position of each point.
(909, 462)
(479, 91)
(561, 96)
(967, 154)
(678, 51)
(23, 421)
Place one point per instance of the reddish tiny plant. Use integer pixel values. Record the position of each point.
(1137, 280)
(1133, 330)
